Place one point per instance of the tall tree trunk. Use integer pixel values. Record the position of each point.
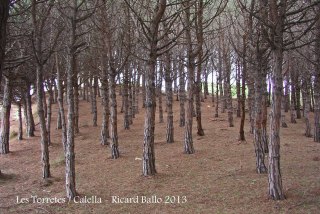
(126, 122)
(159, 92)
(182, 95)
(49, 109)
(148, 162)
(243, 90)
(5, 117)
(169, 96)
(60, 104)
(188, 141)
(105, 103)
(227, 71)
(42, 120)
(317, 82)
(298, 97)
(277, 16)
(143, 88)
(238, 86)
(113, 116)
(76, 99)
(70, 171)
(258, 87)
(94, 101)
(293, 95)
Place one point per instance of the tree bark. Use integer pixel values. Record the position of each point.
(277, 16)
(61, 105)
(148, 162)
(317, 82)
(113, 116)
(30, 120)
(5, 117)
(169, 97)
(20, 132)
(188, 141)
(105, 103)
(94, 101)
(182, 95)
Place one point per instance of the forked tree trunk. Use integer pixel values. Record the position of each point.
(5, 117)
(148, 162)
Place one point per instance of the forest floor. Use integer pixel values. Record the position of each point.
(219, 178)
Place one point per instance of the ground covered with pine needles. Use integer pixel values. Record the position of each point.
(219, 178)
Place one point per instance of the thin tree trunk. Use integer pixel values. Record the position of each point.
(126, 121)
(113, 116)
(217, 94)
(243, 90)
(159, 92)
(49, 110)
(182, 95)
(307, 101)
(105, 103)
(94, 101)
(31, 124)
(169, 97)
(60, 104)
(238, 86)
(20, 132)
(316, 135)
(42, 120)
(188, 141)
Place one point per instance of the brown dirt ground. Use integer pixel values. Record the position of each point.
(219, 178)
